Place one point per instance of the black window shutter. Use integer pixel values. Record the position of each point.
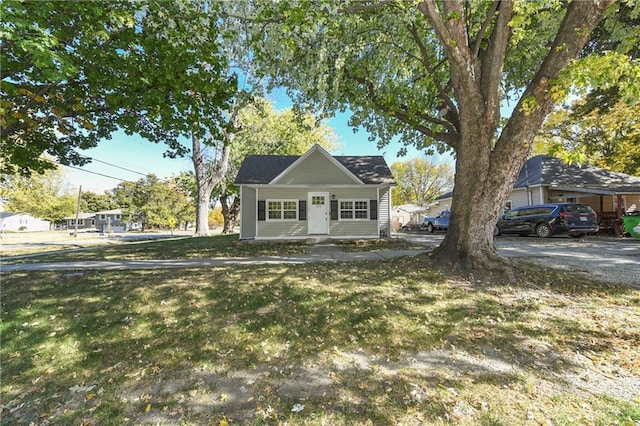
(302, 210)
(262, 210)
(334, 209)
(373, 209)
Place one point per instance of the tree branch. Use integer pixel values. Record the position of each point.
(483, 29)
(425, 62)
(580, 19)
(448, 138)
(492, 60)
(361, 7)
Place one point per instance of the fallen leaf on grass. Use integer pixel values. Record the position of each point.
(297, 408)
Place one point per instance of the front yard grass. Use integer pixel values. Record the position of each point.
(369, 343)
(201, 247)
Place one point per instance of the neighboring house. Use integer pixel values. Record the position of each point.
(86, 221)
(315, 194)
(22, 222)
(545, 179)
(104, 221)
(407, 214)
(110, 221)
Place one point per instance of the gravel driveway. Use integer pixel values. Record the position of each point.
(605, 258)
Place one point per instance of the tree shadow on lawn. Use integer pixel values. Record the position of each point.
(176, 344)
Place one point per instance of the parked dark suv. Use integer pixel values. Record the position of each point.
(546, 220)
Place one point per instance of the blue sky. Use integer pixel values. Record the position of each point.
(140, 157)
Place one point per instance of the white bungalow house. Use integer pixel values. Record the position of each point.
(314, 194)
(22, 222)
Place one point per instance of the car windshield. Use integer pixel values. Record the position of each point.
(578, 208)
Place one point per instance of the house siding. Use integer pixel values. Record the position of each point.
(520, 198)
(298, 229)
(316, 170)
(248, 216)
(384, 212)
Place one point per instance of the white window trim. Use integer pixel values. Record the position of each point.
(354, 219)
(282, 210)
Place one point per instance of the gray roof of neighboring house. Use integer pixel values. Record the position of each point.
(80, 216)
(554, 172)
(262, 169)
(113, 211)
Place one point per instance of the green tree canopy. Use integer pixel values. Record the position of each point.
(606, 136)
(74, 72)
(420, 181)
(40, 195)
(154, 203)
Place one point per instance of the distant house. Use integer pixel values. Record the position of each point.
(86, 222)
(103, 221)
(22, 222)
(408, 214)
(545, 179)
(314, 194)
(110, 221)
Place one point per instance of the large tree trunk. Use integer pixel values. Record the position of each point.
(486, 168)
(208, 175)
(229, 212)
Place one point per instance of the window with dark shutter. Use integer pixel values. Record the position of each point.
(302, 210)
(262, 210)
(334, 209)
(373, 209)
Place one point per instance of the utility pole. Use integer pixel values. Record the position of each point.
(75, 234)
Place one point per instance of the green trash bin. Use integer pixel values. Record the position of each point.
(632, 225)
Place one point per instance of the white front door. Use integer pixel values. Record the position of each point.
(318, 213)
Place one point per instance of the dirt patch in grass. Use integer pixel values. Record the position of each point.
(363, 343)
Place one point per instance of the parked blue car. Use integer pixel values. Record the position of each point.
(440, 222)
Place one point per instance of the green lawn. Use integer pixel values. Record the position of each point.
(201, 247)
(362, 343)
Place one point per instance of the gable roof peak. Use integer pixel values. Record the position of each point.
(317, 148)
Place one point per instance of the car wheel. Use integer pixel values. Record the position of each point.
(543, 230)
(496, 231)
(430, 228)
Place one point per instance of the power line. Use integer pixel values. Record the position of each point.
(113, 165)
(90, 171)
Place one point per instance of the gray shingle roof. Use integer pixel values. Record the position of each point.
(262, 169)
(551, 171)
(555, 173)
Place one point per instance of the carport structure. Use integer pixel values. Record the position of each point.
(545, 179)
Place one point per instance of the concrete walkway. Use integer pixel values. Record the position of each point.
(315, 253)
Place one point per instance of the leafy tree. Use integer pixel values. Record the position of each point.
(607, 137)
(143, 201)
(601, 127)
(420, 181)
(40, 195)
(435, 74)
(73, 72)
(92, 202)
